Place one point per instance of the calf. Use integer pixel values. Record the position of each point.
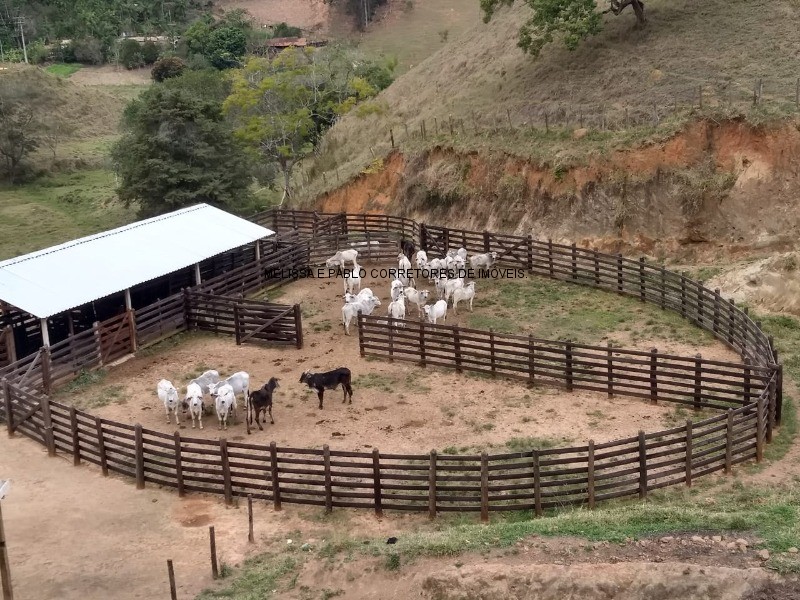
(261, 401)
(329, 380)
(225, 401)
(465, 293)
(437, 311)
(194, 401)
(342, 257)
(169, 396)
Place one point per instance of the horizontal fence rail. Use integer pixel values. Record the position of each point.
(747, 396)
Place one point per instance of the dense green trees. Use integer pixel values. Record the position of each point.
(177, 150)
(573, 20)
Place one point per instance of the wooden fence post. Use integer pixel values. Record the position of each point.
(715, 323)
(179, 465)
(326, 460)
(688, 453)
(298, 326)
(487, 242)
(700, 315)
(654, 376)
(550, 266)
(642, 466)
(132, 329)
(484, 487)
(596, 267)
(422, 360)
(76, 442)
(610, 370)
(698, 381)
(139, 446)
(663, 288)
(531, 359)
(620, 284)
(98, 342)
(770, 410)
(376, 482)
(237, 334)
(537, 484)
(729, 441)
(8, 407)
(276, 487)
(747, 388)
(574, 260)
(642, 289)
(47, 419)
(360, 325)
(457, 348)
(590, 474)
(759, 429)
(731, 320)
(492, 357)
(568, 365)
(779, 394)
(432, 486)
(173, 592)
(101, 446)
(226, 471)
(683, 294)
(530, 253)
(251, 538)
(47, 363)
(212, 540)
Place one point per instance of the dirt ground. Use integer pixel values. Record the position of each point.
(309, 15)
(396, 407)
(111, 75)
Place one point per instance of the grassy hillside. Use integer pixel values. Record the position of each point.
(720, 48)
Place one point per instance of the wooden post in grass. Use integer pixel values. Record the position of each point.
(729, 442)
(276, 488)
(213, 543)
(376, 482)
(250, 536)
(139, 453)
(432, 486)
(484, 487)
(688, 453)
(590, 474)
(179, 465)
(537, 484)
(642, 466)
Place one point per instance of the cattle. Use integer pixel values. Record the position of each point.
(437, 311)
(352, 281)
(364, 305)
(407, 247)
(169, 396)
(462, 254)
(342, 257)
(396, 290)
(397, 308)
(483, 261)
(329, 380)
(418, 297)
(404, 273)
(261, 401)
(451, 285)
(465, 293)
(240, 382)
(204, 381)
(441, 285)
(194, 401)
(225, 402)
(422, 259)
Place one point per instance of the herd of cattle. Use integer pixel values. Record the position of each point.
(447, 274)
(224, 393)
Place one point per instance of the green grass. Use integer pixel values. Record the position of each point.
(64, 70)
(57, 209)
(87, 391)
(379, 381)
(259, 578)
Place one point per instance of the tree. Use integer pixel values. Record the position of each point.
(130, 54)
(574, 20)
(150, 52)
(177, 151)
(167, 67)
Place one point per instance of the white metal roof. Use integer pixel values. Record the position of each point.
(53, 280)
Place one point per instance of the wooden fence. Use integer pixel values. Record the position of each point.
(748, 395)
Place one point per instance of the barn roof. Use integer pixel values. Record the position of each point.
(53, 280)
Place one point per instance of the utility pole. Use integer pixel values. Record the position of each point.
(20, 21)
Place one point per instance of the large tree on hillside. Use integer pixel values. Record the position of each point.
(574, 20)
(177, 151)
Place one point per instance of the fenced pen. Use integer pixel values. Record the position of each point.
(747, 396)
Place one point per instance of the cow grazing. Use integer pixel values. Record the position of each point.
(194, 402)
(225, 402)
(261, 401)
(407, 247)
(329, 380)
(342, 257)
(169, 396)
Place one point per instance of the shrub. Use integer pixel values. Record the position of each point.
(282, 30)
(38, 52)
(168, 67)
(88, 50)
(130, 54)
(150, 52)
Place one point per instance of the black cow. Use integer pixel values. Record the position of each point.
(407, 247)
(261, 401)
(329, 380)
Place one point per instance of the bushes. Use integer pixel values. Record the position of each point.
(87, 50)
(130, 54)
(168, 67)
(150, 52)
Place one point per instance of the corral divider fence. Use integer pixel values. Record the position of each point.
(749, 395)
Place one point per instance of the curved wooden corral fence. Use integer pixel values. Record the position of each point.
(747, 395)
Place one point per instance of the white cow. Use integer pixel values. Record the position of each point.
(451, 285)
(352, 281)
(465, 293)
(437, 311)
(351, 309)
(397, 289)
(441, 285)
(418, 297)
(397, 308)
(342, 257)
(462, 254)
(483, 261)
(404, 269)
(169, 396)
(240, 383)
(194, 401)
(225, 403)
(422, 259)
(204, 381)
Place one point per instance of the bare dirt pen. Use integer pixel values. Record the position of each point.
(400, 407)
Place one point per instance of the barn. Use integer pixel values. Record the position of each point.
(50, 294)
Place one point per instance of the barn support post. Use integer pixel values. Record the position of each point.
(98, 343)
(10, 346)
(45, 332)
(9, 409)
(128, 303)
(47, 422)
(198, 279)
(46, 361)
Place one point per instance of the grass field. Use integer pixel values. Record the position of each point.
(63, 69)
(57, 209)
